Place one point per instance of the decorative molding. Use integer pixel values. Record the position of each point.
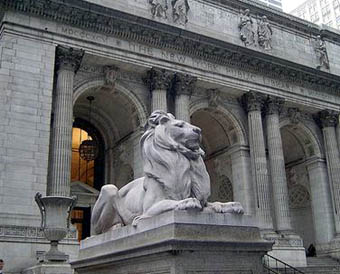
(28, 232)
(214, 98)
(115, 23)
(110, 74)
(294, 115)
(184, 84)
(68, 58)
(252, 101)
(274, 105)
(327, 118)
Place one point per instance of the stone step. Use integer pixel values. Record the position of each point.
(322, 261)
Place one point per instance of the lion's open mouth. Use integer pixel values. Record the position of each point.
(192, 144)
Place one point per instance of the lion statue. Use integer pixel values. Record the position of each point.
(175, 178)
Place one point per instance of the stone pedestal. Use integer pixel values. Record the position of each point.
(49, 268)
(177, 242)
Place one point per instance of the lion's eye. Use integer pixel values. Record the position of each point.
(179, 125)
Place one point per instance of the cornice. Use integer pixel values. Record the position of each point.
(115, 23)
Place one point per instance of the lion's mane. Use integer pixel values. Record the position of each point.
(180, 170)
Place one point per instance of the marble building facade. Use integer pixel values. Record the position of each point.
(263, 86)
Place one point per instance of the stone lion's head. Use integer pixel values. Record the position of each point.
(171, 152)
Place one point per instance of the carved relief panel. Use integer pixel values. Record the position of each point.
(262, 37)
(179, 10)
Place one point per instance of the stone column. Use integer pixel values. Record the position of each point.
(253, 103)
(328, 121)
(158, 81)
(277, 164)
(184, 87)
(321, 201)
(67, 63)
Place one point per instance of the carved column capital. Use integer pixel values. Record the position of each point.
(184, 84)
(158, 79)
(274, 105)
(327, 118)
(68, 58)
(252, 101)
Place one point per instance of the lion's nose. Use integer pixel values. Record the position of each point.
(197, 130)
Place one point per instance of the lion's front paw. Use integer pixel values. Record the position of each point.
(189, 203)
(231, 207)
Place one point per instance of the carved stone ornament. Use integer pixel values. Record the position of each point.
(294, 115)
(105, 23)
(180, 9)
(173, 165)
(214, 98)
(327, 118)
(247, 33)
(159, 8)
(184, 83)
(68, 58)
(321, 53)
(110, 74)
(274, 105)
(264, 33)
(252, 101)
(158, 79)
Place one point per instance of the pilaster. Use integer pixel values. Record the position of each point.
(277, 164)
(253, 103)
(184, 86)
(67, 63)
(328, 121)
(321, 201)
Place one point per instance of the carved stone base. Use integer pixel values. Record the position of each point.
(177, 242)
(289, 248)
(49, 268)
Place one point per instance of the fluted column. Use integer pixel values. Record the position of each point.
(158, 81)
(328, 121)
(184, 87)
(277, 165)
(67, 63)
(253, 103)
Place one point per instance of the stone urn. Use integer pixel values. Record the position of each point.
(55, 222)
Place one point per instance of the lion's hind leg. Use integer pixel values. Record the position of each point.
(105, 215)
(230, 207)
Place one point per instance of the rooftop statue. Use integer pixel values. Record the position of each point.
(175, 178)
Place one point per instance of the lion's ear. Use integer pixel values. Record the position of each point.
(164, 119)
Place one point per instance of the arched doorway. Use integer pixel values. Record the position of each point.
(114, 124)
(299, 190)
(307, 183)
(223, 137)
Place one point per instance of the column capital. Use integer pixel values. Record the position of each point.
(252, 101)
(327, 118)
(184, 83)
(68, 58)
(274, 105)
(158, 79)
